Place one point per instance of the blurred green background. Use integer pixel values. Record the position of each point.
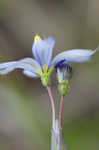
(25, 115)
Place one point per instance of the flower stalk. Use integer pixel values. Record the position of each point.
(52, 106)
(56, 130)
(61, 112)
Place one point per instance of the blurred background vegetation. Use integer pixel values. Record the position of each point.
(25, 115)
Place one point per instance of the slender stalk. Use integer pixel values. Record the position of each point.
(59, 141)
(56, 132)
(61, 111)
(60, 122)
(52, 105)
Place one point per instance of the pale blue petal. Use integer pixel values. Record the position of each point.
(42, 50)
(30, 74)
(75, 55)
(28, 64)
(6, 64)
(6, 67)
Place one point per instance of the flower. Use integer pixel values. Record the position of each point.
(42, 65)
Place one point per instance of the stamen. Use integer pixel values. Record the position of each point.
(45, 68)
(37, 37)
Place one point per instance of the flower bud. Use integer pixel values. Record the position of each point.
(64, 75)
